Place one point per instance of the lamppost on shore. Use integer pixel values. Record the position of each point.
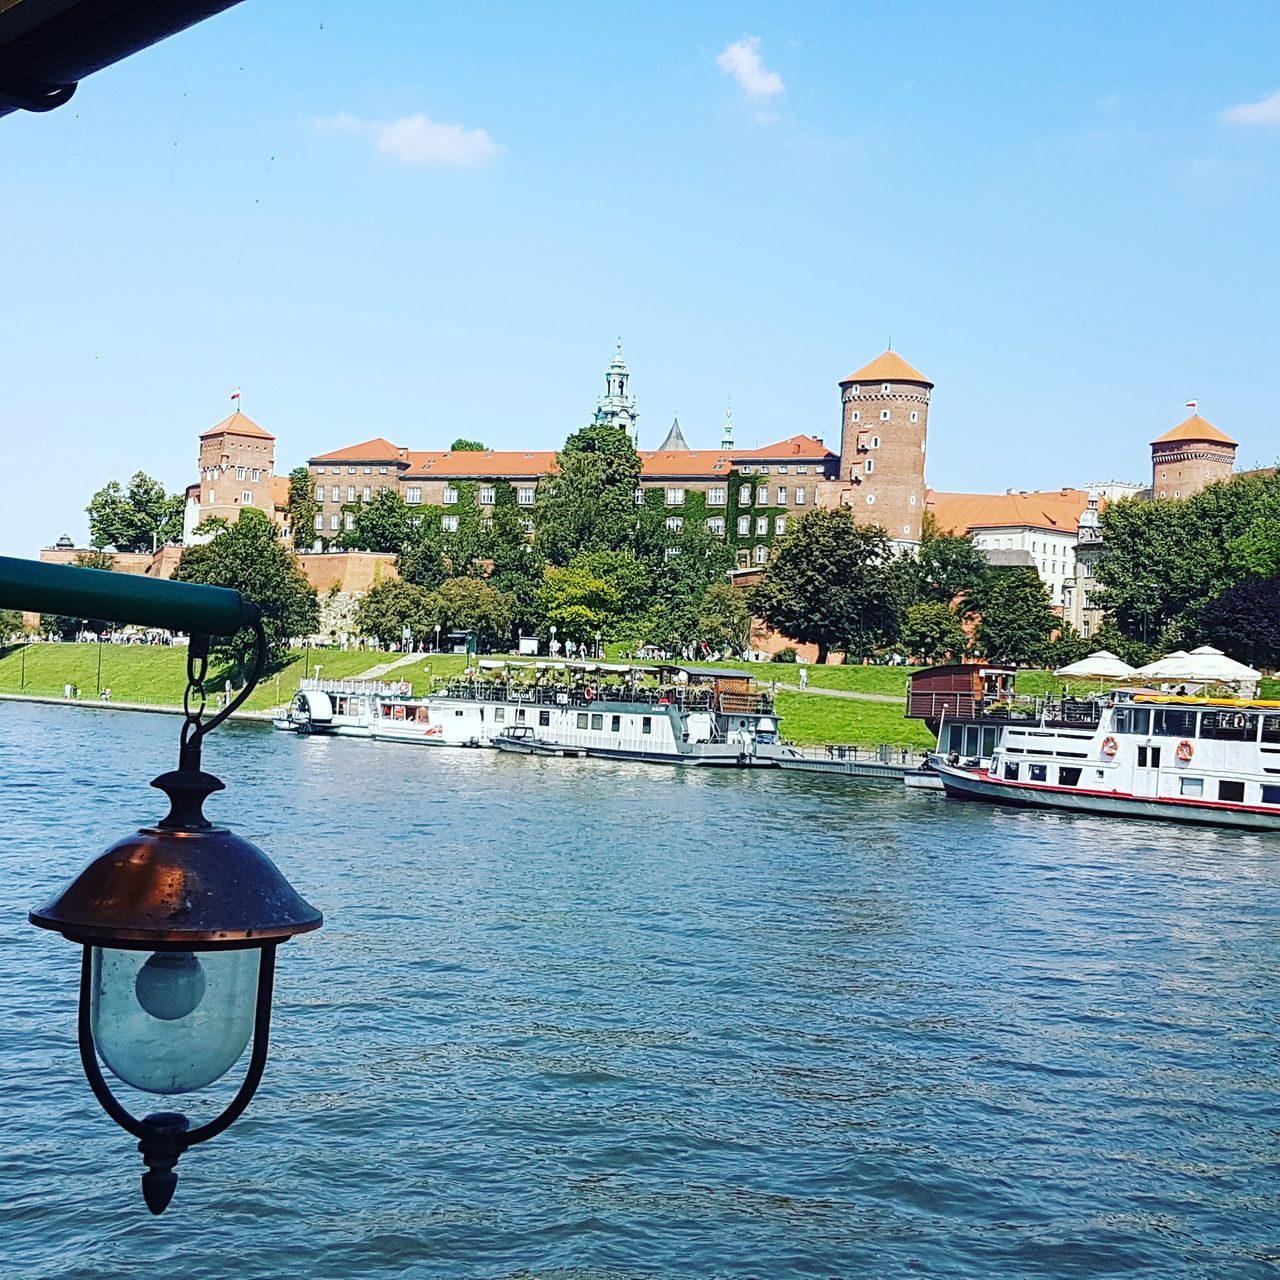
(437, 637)
(599, 650)
(180, 920)
(552, 646)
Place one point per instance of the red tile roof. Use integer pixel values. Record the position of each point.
(375, 450)
(801, 448)
(1059, 511)
(1195, 428)
(238, 424)
(656, 464)
(888, 367)
(280, 491)
(487, 464)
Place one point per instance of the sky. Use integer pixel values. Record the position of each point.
(424, 221)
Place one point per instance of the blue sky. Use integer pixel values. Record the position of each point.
(423, 221)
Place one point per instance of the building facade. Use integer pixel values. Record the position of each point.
(237, 470)
(1189, 458)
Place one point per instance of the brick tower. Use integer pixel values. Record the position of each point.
(884, 426)
(236, 461)
(1189, 457)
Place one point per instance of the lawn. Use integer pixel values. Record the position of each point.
(810, 718)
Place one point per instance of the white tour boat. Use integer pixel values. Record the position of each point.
(1214, 761)
(342, 708)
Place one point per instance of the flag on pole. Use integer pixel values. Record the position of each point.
(235, 395)
(1191, 404)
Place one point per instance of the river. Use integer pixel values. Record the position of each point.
(573, 1019)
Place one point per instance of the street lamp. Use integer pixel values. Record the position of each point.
(599, 650)
(552, 646)
(178, 921)
(437, 637)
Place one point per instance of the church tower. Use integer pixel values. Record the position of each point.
(616, 408)
(884, 427)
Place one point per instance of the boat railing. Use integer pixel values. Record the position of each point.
(551, 695)
(379, 688)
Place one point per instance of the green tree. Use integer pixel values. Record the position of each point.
(95, 560)
(1016, 619)
(948, 564)
(1244, 621)
(140, 518)
(462, 445)
(1066, 647)
(832, 583)
(10, 624)
(724, 620)
(303, 508)
(588, 502)
(389, 607)
(471, 604)
(931, 631)
(579, 599)
(249, 556)
(422, 555)
(516, 568)
(380, 525)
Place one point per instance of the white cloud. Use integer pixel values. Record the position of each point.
(419, 140)
(1264, 111)
(743, 62)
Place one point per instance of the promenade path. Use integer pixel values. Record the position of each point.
(378, 672)
(851, 694)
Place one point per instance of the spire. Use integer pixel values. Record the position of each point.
(726, 432)
(617, 408)
(675, 438)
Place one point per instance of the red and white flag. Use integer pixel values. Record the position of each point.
(1193, 404)
(235, 395)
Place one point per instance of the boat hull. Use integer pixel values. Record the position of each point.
(967, 784)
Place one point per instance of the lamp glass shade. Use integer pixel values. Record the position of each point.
(172, 1021)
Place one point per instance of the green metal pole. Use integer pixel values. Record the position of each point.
(22, 683)
(99, 664)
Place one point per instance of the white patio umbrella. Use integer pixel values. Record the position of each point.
(1205, 665)
(1161, 668)
(1103, 665)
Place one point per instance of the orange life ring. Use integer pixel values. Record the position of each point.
(1109, 746)
(589, 693)
(1185, 751)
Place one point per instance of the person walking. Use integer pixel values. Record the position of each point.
(804, 677)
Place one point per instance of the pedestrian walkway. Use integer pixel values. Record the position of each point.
(851, 694)
(378, 672)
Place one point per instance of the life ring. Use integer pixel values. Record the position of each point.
(589, 693)
(1109, 747)
(1185, 751)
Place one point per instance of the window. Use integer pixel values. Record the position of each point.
(382, 488)
(1133, 720)
(871, 499)
(450, 496)
(1231, 792)
(246, 495)
(488, 495)
(912, 500)
(382, 471)
(1039, 772)
(855, 391)
(415, 522)
(782, 495)
(884, 388)
(1171, 723)
(800, 495)
(744, 496)
(413, 496)
(597, 720)
(351, 493)
(715, 525)
(319, 471)
(875, 442)
(779, 525)
(639, 497)
(856, 416)
(349, 521)
(366, 493)
(1270, 793)
(762, 526)
(675, 497)
(1191, 786)
(213, 497)
(869, 466)
(319, 522)
(615, 724)
(906, 528)
(744, 525)
(802, 469)
(255, 475)
(675, 524)
(1229, 726)
(527, 525)
(715, 497)
(449, 524)
(335, 522)
(646, 724)
(351, 471)
(746, 471)
(544, 719)
(915, 415)
(239, 473)
(319, 493)
(1068, 777)
(1010, 771)
(499, 714)
(762, 555)
(782, 471)
(582, 719)
(524, 496)
(884, 415)
(762, 496)
(336, 493)
(764, 471)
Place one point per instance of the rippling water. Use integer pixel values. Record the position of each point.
(585, 1019)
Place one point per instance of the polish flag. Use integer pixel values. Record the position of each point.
(1193, 404)
(235, 395)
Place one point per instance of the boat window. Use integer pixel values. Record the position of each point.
(1271, 728)
(1133, 720)
(582, 719)
(1068, 777)
(597, 721)
(615, 724)
(1270, 793)
(544, 718)
(499, 714)
(646, 724)
(1011, 771)
(1172, 722)
(1039, 773)
(1148, 757)
(1191, 786)
(1232, 792)
(989, 741)
(1228, 726)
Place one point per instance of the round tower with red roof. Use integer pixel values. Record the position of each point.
(1190, 457)
(885, 423)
